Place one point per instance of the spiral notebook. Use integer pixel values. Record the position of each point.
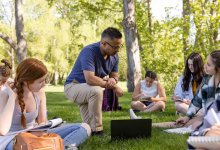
(206, 142)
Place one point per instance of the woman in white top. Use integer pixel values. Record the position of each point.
(149, 95)
(188, 82)
(5, 72)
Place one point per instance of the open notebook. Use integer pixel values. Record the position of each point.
(206, 142)
(48, 125)
(182, 130)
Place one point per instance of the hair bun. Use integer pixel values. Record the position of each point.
(7, 63)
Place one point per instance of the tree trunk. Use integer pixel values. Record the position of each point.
(186, 26)
(213, 29)
(200, 35)
(149, 17)
(13, 62)
(19, 27)
(132, 47)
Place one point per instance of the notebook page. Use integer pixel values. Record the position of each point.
(182, 130)
(207, 142)
(56, 122)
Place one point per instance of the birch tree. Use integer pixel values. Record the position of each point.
(132, 47)
(20, 47)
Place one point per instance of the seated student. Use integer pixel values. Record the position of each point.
(188, 82)
(208, 95)
(24, 105)
(5, 72)
(149, 95)
(208, 127)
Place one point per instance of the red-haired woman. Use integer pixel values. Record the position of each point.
(25, 105)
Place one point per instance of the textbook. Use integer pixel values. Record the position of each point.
(43, 127)
(4, 140)
(48, 125)
(205, 142)
(182, 130)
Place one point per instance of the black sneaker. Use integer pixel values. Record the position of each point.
(98, 133)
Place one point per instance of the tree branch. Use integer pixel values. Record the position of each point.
(8, 40)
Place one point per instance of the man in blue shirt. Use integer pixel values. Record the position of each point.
(96, 68)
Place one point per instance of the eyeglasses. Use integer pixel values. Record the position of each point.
(115, 47)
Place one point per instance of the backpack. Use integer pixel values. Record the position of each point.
(110, 101)
(29, 141)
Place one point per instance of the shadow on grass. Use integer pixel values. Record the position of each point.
(59, 105)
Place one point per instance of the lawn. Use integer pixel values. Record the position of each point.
(59, 105)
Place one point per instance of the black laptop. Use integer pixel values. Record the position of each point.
(131, 128)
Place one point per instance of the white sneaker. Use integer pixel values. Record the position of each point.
(132, 115)
(71, 147)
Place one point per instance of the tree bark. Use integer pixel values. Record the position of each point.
(186, 26)
(132, 47)
(8, 40)
(213, 29)
(19, 27)
(149, 16)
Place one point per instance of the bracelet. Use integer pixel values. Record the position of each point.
(115, 79)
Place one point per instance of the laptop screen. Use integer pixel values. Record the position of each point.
(124, 129)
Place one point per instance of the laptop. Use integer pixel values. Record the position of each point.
(130, 128)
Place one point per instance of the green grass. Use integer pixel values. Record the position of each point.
(59, 105)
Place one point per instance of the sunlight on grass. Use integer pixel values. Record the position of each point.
(60, 88)
(58, 105)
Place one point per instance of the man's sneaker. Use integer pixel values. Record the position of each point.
(98, 133)
(132, 114)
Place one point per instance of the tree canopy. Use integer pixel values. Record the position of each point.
(56, 31)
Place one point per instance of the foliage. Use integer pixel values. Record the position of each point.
(162, 51)
(57, 32)
(86, 26)
(207, 21)
(163, 48)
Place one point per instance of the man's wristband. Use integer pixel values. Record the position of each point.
(115, 79)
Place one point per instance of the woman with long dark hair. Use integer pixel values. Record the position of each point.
(207, 98)
(189, 82)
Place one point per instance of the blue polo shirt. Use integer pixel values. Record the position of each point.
(91, 59)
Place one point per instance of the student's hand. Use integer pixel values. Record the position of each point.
(182, 120)
(118, 91)
(10, 92)
(186, 101)
(174, 98)
(143, 95)
(214, 131)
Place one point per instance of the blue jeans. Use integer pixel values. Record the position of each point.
(70, 133)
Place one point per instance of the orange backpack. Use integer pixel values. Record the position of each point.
(29, 141)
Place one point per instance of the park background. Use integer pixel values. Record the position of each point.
(157, 35)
